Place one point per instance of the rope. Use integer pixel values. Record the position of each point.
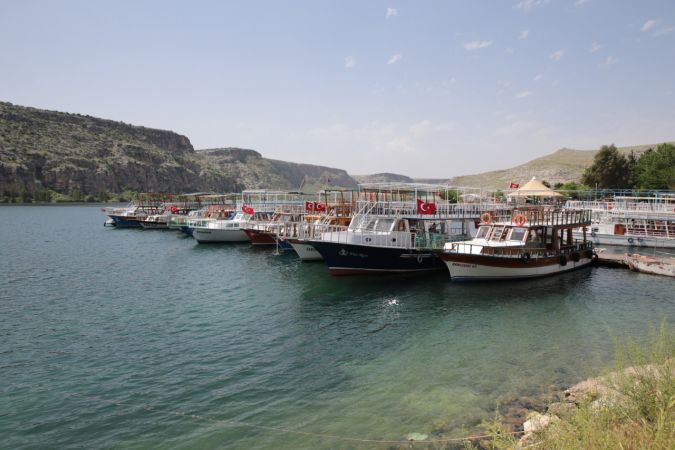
(287, 430)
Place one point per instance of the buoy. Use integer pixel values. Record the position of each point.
(486, 218)
(519, 220)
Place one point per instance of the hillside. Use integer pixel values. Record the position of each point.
(564, 165)
(383, 178)
(66, 152)
(256, 172)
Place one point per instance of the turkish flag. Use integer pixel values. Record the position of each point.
(515, 185)
(309, 206)
(247, 209)
(320, 206)
(425, 208)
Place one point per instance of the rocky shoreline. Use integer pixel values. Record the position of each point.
(526, 416)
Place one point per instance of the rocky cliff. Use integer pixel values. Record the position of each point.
(70, 152)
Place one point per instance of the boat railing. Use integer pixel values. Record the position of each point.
(523, 252)
(442, 209)
(619, 205)
(421, 240)
(538, 216)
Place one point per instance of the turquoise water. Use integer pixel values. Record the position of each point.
(113, 338)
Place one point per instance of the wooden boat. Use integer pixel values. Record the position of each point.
(526, 243)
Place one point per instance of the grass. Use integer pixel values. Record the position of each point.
(633, 409)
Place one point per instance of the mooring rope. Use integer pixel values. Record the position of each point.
(291, 431)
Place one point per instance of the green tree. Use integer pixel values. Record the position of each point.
(655, 169)
(610, 170)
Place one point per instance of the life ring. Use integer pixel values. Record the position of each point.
(525, 257)
(630, 240)
(486, 218)
(420, 258)
(173, 209)
(519, 220)
(563, 260)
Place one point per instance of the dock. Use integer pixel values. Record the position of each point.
(655, 265)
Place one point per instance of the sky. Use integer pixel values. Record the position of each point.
(422, 88)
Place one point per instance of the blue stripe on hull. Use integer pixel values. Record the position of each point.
(122, 222)
(347, 259)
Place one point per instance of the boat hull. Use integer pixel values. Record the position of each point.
(154, 225)
(260, 238)
(305, 250)
(464, 267)
(350, 259)
(125, 221)
(214, 235)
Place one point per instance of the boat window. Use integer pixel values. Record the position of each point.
(482, 232)
(384, 224)
(517, 234)
(497, 233)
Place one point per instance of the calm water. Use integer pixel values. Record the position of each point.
(109, 338)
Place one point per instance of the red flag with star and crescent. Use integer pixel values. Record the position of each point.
(425, 207)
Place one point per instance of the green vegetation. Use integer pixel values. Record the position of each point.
(653, 169)
(632, 408)
(610, 170)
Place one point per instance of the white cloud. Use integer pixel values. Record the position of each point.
(557, 55)
(395, 58)
(350, 62)
(609, 61)
(391, 12)
(523, 94)
(475, 45)
(524, 34)
(579, 3)
(527, 5)
(649, 25)
(664, 31)
(538, 77)
(595, 47)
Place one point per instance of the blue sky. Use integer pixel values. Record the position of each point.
(423, 88)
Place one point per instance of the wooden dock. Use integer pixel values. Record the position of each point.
(656, 265)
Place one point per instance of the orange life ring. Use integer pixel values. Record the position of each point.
(486, 218)
(519, 220)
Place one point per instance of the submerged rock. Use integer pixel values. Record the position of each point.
(417, 437)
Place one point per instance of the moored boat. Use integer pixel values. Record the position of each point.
(527, 243)
(220, 230)
(647, 221)
(396, 229)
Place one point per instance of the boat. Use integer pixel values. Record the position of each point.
(155, 222)
(396, 229)
(632, 221)
(527, 242)
(208, 230)
(270, 212)
(335, 209)
(153, 208)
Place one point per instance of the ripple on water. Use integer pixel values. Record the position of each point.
(108, 336)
